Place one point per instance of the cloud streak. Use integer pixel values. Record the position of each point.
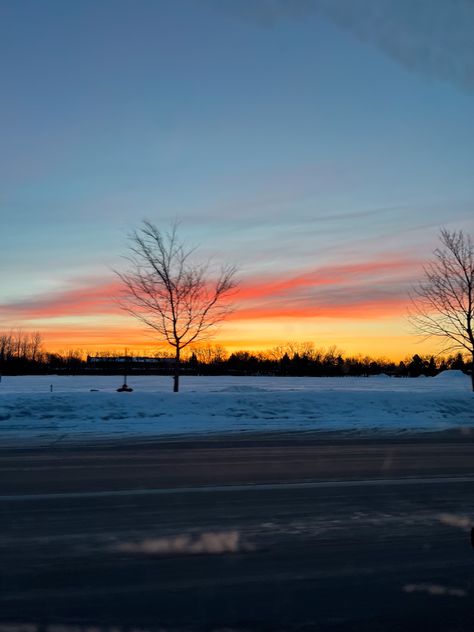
(88, 300)
(364, 289)
(331, 275)
(350, 307)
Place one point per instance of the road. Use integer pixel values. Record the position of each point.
(257, 534)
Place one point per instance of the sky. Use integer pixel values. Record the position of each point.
(318, 145)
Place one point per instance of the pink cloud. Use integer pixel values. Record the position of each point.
(365, 274)
(351, 290)
(89, 300)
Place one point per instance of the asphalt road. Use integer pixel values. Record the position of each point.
(262, 534)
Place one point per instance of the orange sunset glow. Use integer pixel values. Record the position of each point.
(359, 307)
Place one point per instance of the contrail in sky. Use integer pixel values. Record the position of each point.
(431, 37)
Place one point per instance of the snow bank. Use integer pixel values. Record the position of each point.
(31, 414)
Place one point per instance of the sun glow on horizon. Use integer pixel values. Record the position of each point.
(375, 339)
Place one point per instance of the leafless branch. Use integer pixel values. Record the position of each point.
(165, 290)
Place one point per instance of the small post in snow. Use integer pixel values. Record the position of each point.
(125, 388)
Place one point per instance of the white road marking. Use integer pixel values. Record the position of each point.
(242, 488)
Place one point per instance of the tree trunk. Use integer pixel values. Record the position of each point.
(472, 372)
(177, 366)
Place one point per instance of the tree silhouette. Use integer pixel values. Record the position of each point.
(443, 303)
(182, 301)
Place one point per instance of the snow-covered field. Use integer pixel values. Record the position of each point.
(88, 408)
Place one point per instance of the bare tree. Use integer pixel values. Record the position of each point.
(168, 292)
(443, 303)
(36, 343)
(21, 346)
(210, 354)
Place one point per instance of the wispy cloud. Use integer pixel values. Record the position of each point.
(329, 275)
(430, 37)
(269, 191)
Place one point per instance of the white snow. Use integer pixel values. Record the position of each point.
(435, 589)
(451, 374)
(31, 414)
(210, 542)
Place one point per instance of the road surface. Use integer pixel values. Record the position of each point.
(258, 534)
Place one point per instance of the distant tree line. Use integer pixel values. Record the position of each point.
(23, 353)
(302, 359)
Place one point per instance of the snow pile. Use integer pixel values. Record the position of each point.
(454, 520)
(452, 374)
(435, 589)
(211, 543)
(31, 414)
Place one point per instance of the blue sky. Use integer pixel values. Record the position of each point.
(286, 136)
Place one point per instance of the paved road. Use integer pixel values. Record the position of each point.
(255, 535)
